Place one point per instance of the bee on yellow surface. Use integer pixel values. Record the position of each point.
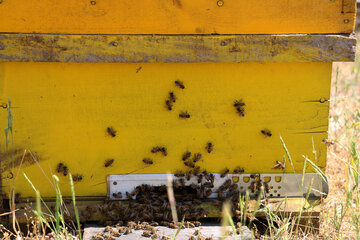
(109, 162)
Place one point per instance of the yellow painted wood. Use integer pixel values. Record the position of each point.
(177, 16)
(183, 48)
(61, 112)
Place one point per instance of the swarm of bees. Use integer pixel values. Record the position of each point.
(61, 168)
(239, 105)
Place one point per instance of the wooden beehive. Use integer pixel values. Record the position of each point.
(85, 82)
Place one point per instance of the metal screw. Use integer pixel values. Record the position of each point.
(322, 100)
(115, 183)
(220, 3)
(91, 2)
(346, 21)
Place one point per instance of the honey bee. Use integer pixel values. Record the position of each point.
(186, 155)
(238, 170)
(209, 147)
(197, 157)
(179, 174)
(258, 186)
(208, 185)
(65, 171)
(172, 225)
(224, 173)
(179, 84)
(253, 186)
(131, 224)
(279, 165)
(165, 237)
(156, 149)
(212, 178)
(168, 105)
(255, 176)
(182, 182)
(227, 184)
(59, 167)
(184, 115)
(109, 237)
(196, 171)
(109, 162)
(172, 97)
(188, 175)
(200, 177)
(266, 187)
(164, 151)
(239, 103)
(117, 195)
(127, 231)
(266, 132)
(77, 178)
(328, 142)
(240, 111)
(147, 161)
(175, 184)
(111, 131)
(128, 195)
(115, 233)
(189, 164)
(233, 187)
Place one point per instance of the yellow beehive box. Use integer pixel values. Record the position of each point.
(94, 86)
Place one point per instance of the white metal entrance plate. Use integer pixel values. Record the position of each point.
(275, 184)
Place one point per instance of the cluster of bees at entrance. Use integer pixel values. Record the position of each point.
(150, 203)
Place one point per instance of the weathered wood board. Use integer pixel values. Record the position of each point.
(177, 16)
(165, 48)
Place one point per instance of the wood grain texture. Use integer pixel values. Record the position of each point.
(185, 48)
(177, 17)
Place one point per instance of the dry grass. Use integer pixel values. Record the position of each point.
(338, 220)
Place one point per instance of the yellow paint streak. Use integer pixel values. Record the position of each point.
(177, 17)
(61, 112)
